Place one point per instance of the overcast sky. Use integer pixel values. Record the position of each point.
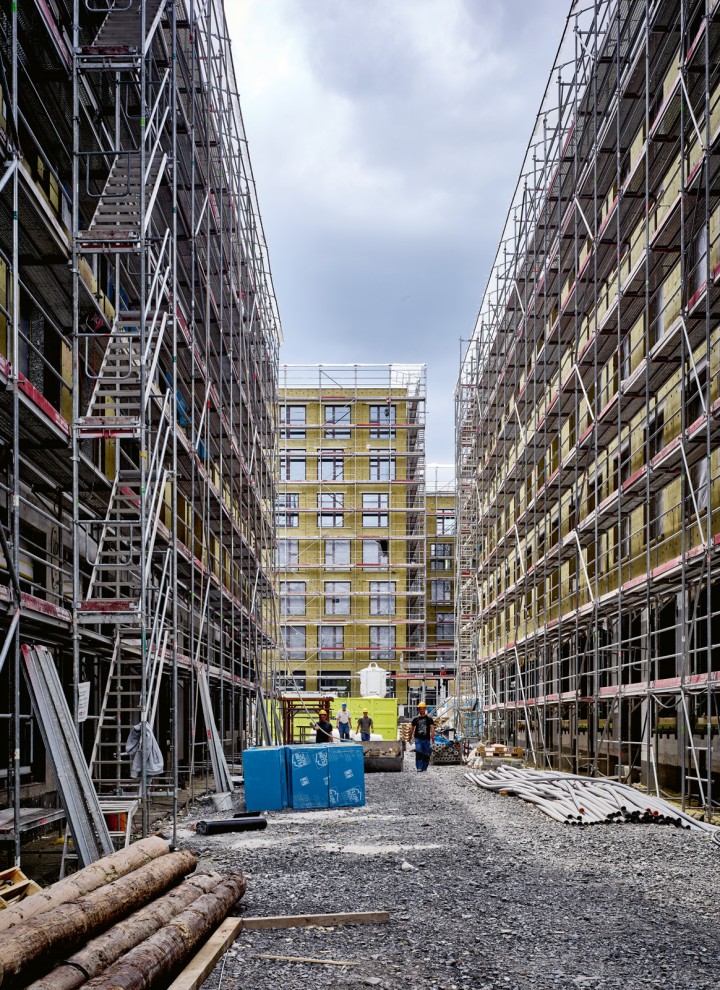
(386, 137)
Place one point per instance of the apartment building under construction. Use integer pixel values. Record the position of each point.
(588, 414)
(350, 515)
(139, 343)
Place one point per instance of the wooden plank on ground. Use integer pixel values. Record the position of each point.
(199, 967)
(320, 920)
(304, 959)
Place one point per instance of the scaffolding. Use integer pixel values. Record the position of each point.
(439, 669)
(139, 339)
(351, 525)
(588, 414)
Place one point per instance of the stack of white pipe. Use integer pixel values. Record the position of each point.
(574, 800)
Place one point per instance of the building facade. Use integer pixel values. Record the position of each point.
(350, 515)
(588, 416)
(139, 342)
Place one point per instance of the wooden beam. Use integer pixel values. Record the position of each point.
(304, 959)
(197, 970)
(320, 920)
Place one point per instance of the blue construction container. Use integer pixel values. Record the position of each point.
(265, 774)
(347, 775)
(308, 780)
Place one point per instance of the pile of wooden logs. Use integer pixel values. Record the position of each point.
(130, 920)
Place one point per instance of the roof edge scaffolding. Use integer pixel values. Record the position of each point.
(412, 377)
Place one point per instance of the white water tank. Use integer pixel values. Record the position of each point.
(373, 682)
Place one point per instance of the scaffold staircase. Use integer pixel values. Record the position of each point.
(119, 42)
(122, 24)
(117, 221)
(115, 406)
(122, 564)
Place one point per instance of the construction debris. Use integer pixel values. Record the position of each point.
(104, 871)
(35, 943)
(574, 800)
(14, 887)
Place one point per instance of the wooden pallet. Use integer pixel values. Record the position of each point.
(15, 886)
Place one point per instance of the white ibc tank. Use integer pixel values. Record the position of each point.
(373, 682)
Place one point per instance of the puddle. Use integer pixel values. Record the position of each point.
(375, 850)
(343, 816)
(311, 817)
(253, 842)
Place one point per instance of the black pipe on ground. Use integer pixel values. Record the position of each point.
(231, 825)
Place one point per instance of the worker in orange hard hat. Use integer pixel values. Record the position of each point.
(423, 729)
(365, 726)
(323, 728)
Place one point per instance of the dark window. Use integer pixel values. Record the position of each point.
(378, 502)
(337, 422)
(330, 505)
(382, 422)
(292, 466)
(292, 422)
(286, 514)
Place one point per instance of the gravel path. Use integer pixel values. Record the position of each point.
(484, 891)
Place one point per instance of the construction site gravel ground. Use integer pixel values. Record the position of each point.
(483, 890)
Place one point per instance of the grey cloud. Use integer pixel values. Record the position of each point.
(436, 130)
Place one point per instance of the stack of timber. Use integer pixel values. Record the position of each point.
(129, 920)
(485, 756)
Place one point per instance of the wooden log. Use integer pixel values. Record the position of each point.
(153, 962)
(101, 952)
(104, 871)
(34, 945)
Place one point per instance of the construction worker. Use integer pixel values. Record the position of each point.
(344, 722)
(323, 728)
(422, 728)
(365, 726)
